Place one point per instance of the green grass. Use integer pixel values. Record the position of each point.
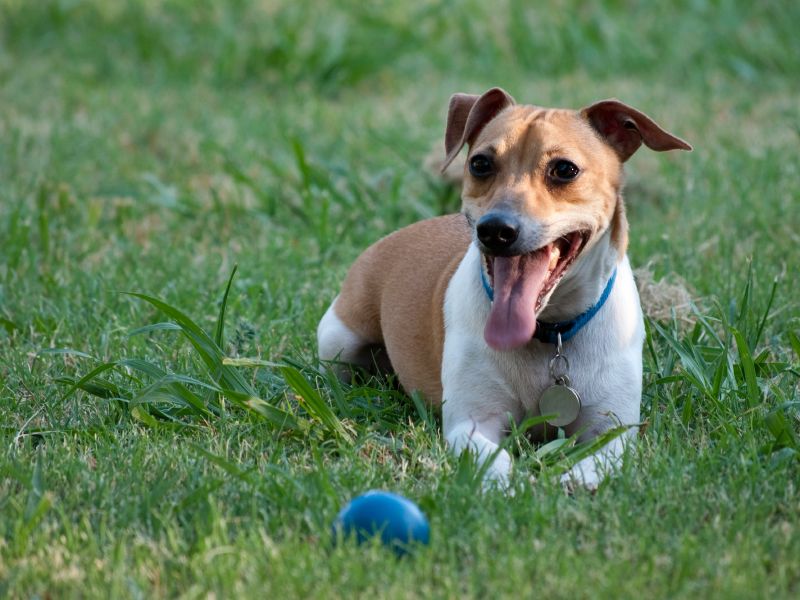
(146, 148)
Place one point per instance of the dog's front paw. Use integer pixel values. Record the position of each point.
(581, 476)
(498, 472)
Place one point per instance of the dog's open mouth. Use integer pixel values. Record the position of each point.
(521, 283)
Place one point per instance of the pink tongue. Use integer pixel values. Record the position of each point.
(518, 281)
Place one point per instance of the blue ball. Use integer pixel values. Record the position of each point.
(399, 522)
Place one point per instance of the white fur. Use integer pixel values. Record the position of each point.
(483, 388)
(337, 342)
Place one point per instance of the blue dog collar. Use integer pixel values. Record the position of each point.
(548, 333)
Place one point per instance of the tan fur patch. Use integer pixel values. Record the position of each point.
(394, 295)
(619, 227)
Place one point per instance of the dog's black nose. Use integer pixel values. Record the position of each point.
(498, 231)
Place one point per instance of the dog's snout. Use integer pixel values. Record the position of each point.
(498, 231)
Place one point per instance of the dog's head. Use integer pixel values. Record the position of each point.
(541, 187)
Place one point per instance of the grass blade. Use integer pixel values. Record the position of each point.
(175, 383)
(154, 327)
(765, 316)
(551, 447)
(66, 351)
(584, 449)
(80, 383)
(198, 494)
(795, 343)
(220, 329)
(208, 350)
(781, 430)
(140, 414)
(249, 362)
(98, 387)
(9, 325)
(753, 395)
(224, 464)
(692, 363)
(314, 404)
(282, 419)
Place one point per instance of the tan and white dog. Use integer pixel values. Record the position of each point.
(468, 307)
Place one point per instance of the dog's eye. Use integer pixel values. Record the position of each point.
(481, 166)
(564, 170)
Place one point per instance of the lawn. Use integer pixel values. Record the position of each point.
(183, 442)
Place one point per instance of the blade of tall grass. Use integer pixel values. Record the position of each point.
(693, 363)
(140, 414)
(794, 341)
(551, 447)
(37, 505)
(199, 493)
(763, 321)
(753, 395)
(224, 464)
(589, 447)
(64, 351)
(313, 403)
(220, 328)
(784, 435)
(96, 386)
(86, 379)
(219, 334)
(283, 420)
(177, 386)
(9, 325)
(207, 349)
(166, 326)
(249, 362)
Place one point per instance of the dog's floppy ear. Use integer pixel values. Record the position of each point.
(467, 115)
(625, 128)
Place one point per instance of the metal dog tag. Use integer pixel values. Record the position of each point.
(560, 400)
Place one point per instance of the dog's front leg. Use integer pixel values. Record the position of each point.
(596, 420)
(477, 407)
(477, 400)
(609, 374)
(590, 471)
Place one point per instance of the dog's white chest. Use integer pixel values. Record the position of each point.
(604, 357)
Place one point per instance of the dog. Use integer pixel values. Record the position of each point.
(524, 304)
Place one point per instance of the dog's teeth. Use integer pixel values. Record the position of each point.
(554, 256)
